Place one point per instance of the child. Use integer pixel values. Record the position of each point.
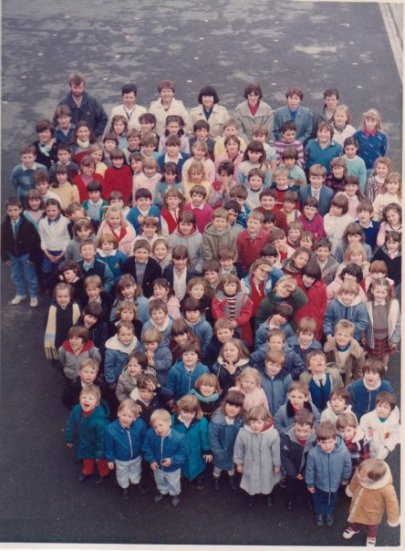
(150, 396)
(87, 174)
(310, 282)
(232, 360)
(275, 380)
(390, 253)
(143, 267)
(281, 185)
(279, 319)
(344, 351)
(76, 348)
(321, 379)
(257, 454)
(254, 157)
(202, 211)
(172, 155)
(94, 320)
(62, 314)
(64, 129)
(378, 270)
(91, 266)
(304, 340)
(355, 165)
(382, 167)
(323, 148)
(298, 399)
(178, 272)
(190, 421)
(110, 143)
(347, 306)
(390, 193)
(363, 392)
(174, 127)
(255, 186)
(82, 231)
(158, 354)
(108, 252)
(116, 224)
(35, 208)
(222, 431)
(372, 493)
(172, 207)
(296, 262)
(88, 375)
(163, 291)
(336, 221)
(288, 134)
(84, 430)
(384, 321)
(391, 221)
(166, 452)
(230, 128)
(123, 443)
(64, 156)
(354, 234)
(278, 239)
(95, 205)
(197, 288)
(133, 144)
(161, 252)
(381, 425)
(325, 260)
(373, 143)
(188, 235)
(353, 194)
(128, 380)
(202, 131)
(61, 186)
(223, 332)
(82, 140)
(193, 314)
(354, 437)
(317, 189)
(295, 445)
(181, 334)
(200, 153)
(310, 218)
(119, 127)
(337, 406)
(143, 207)
(292, 214)
(21, 250)
(217, 235)
(45, 146)
(250, 241)
(22, 175)
(210, 272)
(248, 383)
(159, 318)
(43, 187)
(341, 122)
(184, 373)
(337, 179)
(148, 179)
(328, 466)
(170, 180)
(296, 175)
(208, 393)
(94, 294)
(117, 350)
(196, 175)
(228, 164)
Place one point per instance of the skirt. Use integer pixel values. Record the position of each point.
(381, 348)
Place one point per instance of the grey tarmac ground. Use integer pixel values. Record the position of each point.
(223, 43)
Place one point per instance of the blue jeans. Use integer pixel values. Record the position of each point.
(23, 275)
(324, 502)
(50, 269)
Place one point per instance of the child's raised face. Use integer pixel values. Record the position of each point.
(141, 255)
(308, 281)
(196, 176)
(34, 203)
(297, 399)
(323, 135)
(288, 206)
(347, 433)
(230, 288)
(207, 389)
(199, 153)
(197, 291)
(335, 210)
(88, 374)
(338, 172)
(309, 212)
(351, 188)
(370, 124)
(190, 359)
(289, 162)
(301, 260)
(187, 416)
(255, 182)
(201, 134)
(133, 367)
(327, 445)
(392, 187)
(282, 181)
(158, 316)
(289, 136)
(149, 171)
(284, 289)
(114, 219)
(173, 150)
(305, 338)
(230, 131)
(76, 342)
(125, 335)
(128, 291)
(147, 394)
(87, 252)
(64, 121)
(136, 166)
(343, 337)
(181, 338)
(293, 102)
(173, 202)
(88, 401)
(381, 170)
(261, 273)
(392, 245)
(147, 127)
(248, 383)
(372, 379)
(93, 292)
(257, 425)
(83, 133)
(62, 297)
(316, 180)
(273, 368)
(224, 334)
(160, 251)
(78, 213)
(134, 142)
(302, 432)
(109, 145)
(127, 314)
(180, 264)
(317, 365)
(276, 343)
(347, 297)
(212, 277)
(83, 233)
(230, 352)
(232, 148)
(197, 199)
(253, 225)
(350, 151)
(383, 410)
(107, 247)
(117, 202)
(126, 417)
(380, 293)
(170, 177)
(88, 170)
(192, 315)
(337, 403)
(162, 427)
(119, 127)
(28, 159)
(340, 118)
(160, 292)
(69, 276)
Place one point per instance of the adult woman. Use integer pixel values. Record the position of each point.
(253, 112)
(294, 111)
(210, 111)
(129, 109)
(167, 105)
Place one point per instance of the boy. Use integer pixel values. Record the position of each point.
(345, 352)
(210, 272)
(149, 145)
(280, 185)
(43, 187)
(223, 332)
(143, 207)
(203, 212)
(22, 176)
(278, 238)
(363, 392)
(316, 188)
(336, 181)
(64, 129)
(173, 154)
(110, 143)
(290, 202)
(255, 185)
(220, 189)
(184, 373)
(147, 122)
(304, 342)
(117, 350)
(64, 158)
(123, 441)
(88, 375)
(295, 445)
(150, 396)
(21, 251)
(288, 141)
(310, 219)
(118, 176)
(250, 241)
(354, 437)
(296, 175)
(268, 203)
(234, 210)
(298, 400)
(381, 425)
(201, 130)
(166, 451)
(328, 466)
(278, 319)
(134, 144)
(95, 205)
(369, 225)
(337, 405)
(239, 193)
(347, 306)
(69, 272)
(158, 354)
(321, 380)
(84, 430)
(275, 380)
(217, 235)
(94, 294)
(195, 319)
(226, 257)
(328, 263)
(76, 348)
(159, 319)
(89, 265)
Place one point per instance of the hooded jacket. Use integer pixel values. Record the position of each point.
(225, 378)
(353, 364)
(180, 381)
(162, 361)
(116, 356)
(71, 361)
(383, 435)
(213, 241)
(326, 471)
(86, 432)
(293, 454)
(221, 439)
(284, 417)
(173, 446)
(356, 313)
(275, 388)
(363, 398)
(193, 243)
(294, 363)
(196, 438)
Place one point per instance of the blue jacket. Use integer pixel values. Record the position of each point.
(124, 444)
(87, 432)
(115, 262)
(196, 437)
(203, 330)
(326, 471)
(356, 313)
(315, 154)
(284, 417)
(294, 364)
(101, 269)
(180, 381)
(325, 198)
(262, 333)
(133, 214)
(294, 344)
(293, 454)
(162, 360)
(275, 388)
(362, 399)
(303, 121)
(116, 356)
(221, 439)
(173, 446)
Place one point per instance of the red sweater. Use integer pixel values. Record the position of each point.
(315, 225)
(202, 216)
(281, 220)
(82, 185)
(316, 305)
(249, 248)
(118, 179)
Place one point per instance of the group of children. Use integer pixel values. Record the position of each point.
(244, 316)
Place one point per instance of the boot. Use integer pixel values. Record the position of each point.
(232, 483)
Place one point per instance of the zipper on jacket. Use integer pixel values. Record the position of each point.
(129, 442)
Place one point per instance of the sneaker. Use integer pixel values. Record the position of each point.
(370, 542)
(329, 520)
(175, 500)
(319, 520)
(18, 299)
(349, 533)
(158, 497)
(33, 302)
(125, 493)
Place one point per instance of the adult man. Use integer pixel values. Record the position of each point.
(84, 107)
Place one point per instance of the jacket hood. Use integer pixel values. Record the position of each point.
(114, 344)
(211, 230)
(376, 485)
(356, 301)
(87, 346)
(293, 437)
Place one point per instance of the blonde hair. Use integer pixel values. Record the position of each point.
(162, 415)
(290, 280)
(346, 111)
(392, 177)
(349, 287)
(249, 372)
(93, 390)
(354, 247)
(114, 209)
(131, 405)
(151, 334)
(372, 114)
(344, 325)
(258, 413)
(207, 379)
(189, 404)
(374, 469)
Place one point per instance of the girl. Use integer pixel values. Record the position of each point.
(76, 348)
(294, 265)
(372, 141)
(378, 270)
(390, 193)
(310, 282)
(197, 288)
(222, 431)
(116, 199)
(248, 383)
(390, 253)
(189, 420)
(307, 240)
(257, 454)
(187, 234)
(260, 281)
(200, 153)
(148, 178)
(351, 272)
(355, 253)
(62, 314)
(82, 231)
(127, 311)
(82, 140)
(181, 334)
(355, 165)
(127, 381)
(208, 393)
(353, 234)
(94, 294)
(35, 207)
(87, 174)
(232, 360)
(173, 202)
(231, 303)
(170, 180)
(96, 153)
(391, 221)
(341, 122)
(67, 192)
(353, 194)
(384, 321)
(195, 175)
(336, 221)
(45, 146)
(382, 167)
(119, 127)
(254, 157)
(108, 252)
(129, 291)
(174, 127)
(163, 291)
(294, 234)
(233, 154)
(117, 350)
(161, 252)
(143, 267)
(115, 224)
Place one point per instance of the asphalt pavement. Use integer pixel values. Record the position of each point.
(226, 43)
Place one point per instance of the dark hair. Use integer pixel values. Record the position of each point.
(253, 87)
(331, 92)
(288, 125)
(353, 270)
(94, 185)
(227, 167)
(312, 269)
(143, 193)
(208, 91)
(191, 304)
(128, 88)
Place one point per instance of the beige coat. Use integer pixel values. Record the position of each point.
(353, 364)
(216, 121)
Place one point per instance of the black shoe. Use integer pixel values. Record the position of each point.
(215, 483)
(289, 505)
(158, 497)
(232, 483)
(83, 477)
(269, 501)
(141, 488)
(125, 493)
(319, 520)
(175, 500)
(99, 479)
(329, 520)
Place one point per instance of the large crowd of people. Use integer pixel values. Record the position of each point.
(224, 293)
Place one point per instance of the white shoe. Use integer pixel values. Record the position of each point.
(33, 302)
(18, 299)
(370, 542)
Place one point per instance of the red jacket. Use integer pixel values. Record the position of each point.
(82, 186)
(202, 216)
(315, 225)
(249, 248)
(219, 309)
(118, 179)
(316, 305)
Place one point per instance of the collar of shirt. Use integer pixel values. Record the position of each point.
(34, 167)
(201, 207)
